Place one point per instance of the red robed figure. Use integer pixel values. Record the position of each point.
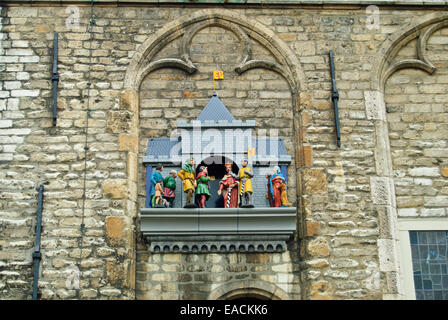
(229, 181)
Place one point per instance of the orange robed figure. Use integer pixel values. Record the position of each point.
(277, 189)
(229, 184)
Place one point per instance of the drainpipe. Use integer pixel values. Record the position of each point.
(36, 254)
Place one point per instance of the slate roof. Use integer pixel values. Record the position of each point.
(215, 110)
(161, 146)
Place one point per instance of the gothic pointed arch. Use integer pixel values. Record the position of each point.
(421, 29)
(386, 64)
(252, 289)
(186, 26)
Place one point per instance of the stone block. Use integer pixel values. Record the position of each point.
(444, 172)
(115, 230)
(25, 93)
(118, 121)
(424, 172)
(116, 189)
(304, 156)
(259, 258)
(319, 290)
(434, 212)
(387, 255)
(312, 228)
(375, 106)
(318, 247)
(110, 292)
(382, 190)
(115, 272)
(129, 100)
(439, 201)
(315, 181)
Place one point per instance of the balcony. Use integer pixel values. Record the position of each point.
(218, 229)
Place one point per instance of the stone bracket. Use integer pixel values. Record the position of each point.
(216, 244)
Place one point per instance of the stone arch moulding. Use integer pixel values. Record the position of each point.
(382, 184)
(390, 48)
(248, 288)
(243, 27)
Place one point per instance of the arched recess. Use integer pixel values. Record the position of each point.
(143, 62)
(254, 289)
(382, 185)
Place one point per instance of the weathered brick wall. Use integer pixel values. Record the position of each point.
(418, 130)
(338, 247)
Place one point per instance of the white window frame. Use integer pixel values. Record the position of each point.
(404, 226)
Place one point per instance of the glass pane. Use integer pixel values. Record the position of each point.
(430, 264)
(413, 237)
(445, 282)
(441, 238)
(421, 237)
(431, 237)
(415, 253)
(418, 282)
(419, 295)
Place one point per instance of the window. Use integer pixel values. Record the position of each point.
(424, 251)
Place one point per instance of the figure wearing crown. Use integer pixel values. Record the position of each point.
(229, 184)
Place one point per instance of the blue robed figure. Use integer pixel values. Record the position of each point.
(156, 176)
(276, 182)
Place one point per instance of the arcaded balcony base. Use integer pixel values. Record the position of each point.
(218, 229)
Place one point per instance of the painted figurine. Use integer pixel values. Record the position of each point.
(269, 194)
(245, 174)
(156, 176)
(229, 184)
(158, 193)
(284, 196)
(202, 189)
(276, 185)
(189, 182)
(169, 189)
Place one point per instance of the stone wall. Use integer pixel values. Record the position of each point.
(418, 121)
(199, 276)
(102, 187)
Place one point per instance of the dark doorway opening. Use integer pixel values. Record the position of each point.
(216, 168)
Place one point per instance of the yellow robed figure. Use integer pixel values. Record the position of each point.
(189, 181)
(245, 173)
(245, 190)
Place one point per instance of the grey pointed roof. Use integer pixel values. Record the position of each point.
(161, 146)
(215, 110)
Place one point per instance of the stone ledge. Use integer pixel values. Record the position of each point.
(218, 229)
(247, 2)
